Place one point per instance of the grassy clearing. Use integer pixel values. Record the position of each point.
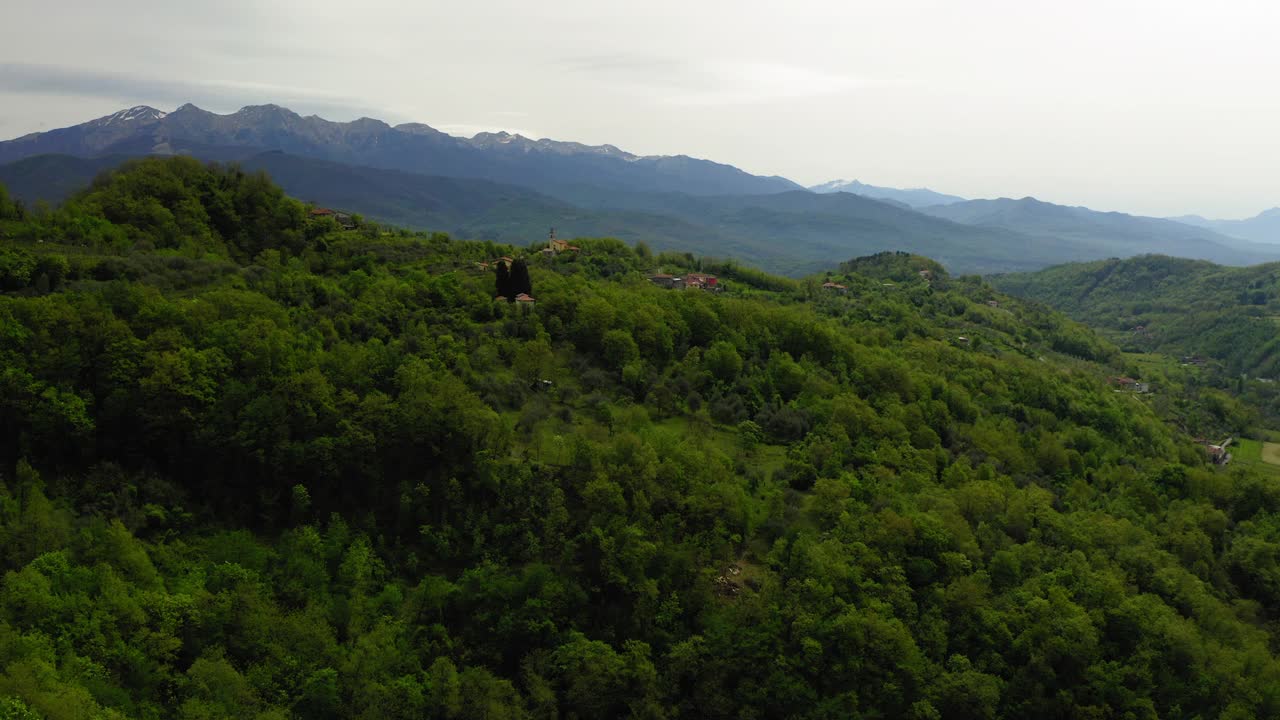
(1247, 450)
(765, 457)
(1271, 453)
(1264, 456)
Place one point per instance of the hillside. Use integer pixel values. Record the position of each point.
(1179, 307)
(258, 466)
(1115, 234)
(53, 178)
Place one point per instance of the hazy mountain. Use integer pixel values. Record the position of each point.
(914, 197)
(1118, 234)
(826, 223)
(794, 232)
(501, 157)
(1262, 228)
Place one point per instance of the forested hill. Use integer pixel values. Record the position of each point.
(790, 233)
(258, 466)
(1180, 307)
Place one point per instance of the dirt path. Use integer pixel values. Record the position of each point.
(1271, 453)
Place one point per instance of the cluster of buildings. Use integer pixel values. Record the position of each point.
(695, 280)
(343, 219)
(556, 246)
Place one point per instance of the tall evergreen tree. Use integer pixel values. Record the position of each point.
(503, 281)
(520, 282)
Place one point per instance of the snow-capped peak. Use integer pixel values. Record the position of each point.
(138, 112)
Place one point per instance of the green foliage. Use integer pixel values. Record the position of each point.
(1178, 307)
(307, 472)
(9, 209)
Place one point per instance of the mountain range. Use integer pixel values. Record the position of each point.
(511, 188)
(500, 157)
(1110, 233)
(1262, 228)
(795, 232)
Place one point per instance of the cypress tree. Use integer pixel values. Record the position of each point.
(520, 282)
(503, 280)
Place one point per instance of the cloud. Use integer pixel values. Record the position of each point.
(712, 82)
(27, 79)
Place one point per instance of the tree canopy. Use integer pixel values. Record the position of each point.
(255, 465)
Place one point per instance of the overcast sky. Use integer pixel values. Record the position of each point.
(1161, 107)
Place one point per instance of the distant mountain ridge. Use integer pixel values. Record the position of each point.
(500, 157)
(1117, 234)
(508, 187)
(913, 197)
(1261, 228)
(795, 232)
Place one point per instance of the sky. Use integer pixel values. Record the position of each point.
(1152, 107)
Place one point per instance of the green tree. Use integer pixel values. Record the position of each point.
(723, 361)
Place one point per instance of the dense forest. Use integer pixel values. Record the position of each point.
(1170, 305)
(258, 466)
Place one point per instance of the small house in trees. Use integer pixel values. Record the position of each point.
(926, 274)
(1128, 383)
(670, 282)
(834, 287)
(523, 300)
(1218, 454)
(344, 220)
(702, 281)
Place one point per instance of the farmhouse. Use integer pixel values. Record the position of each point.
(701, 280)
(343, 219)
(669, 282)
